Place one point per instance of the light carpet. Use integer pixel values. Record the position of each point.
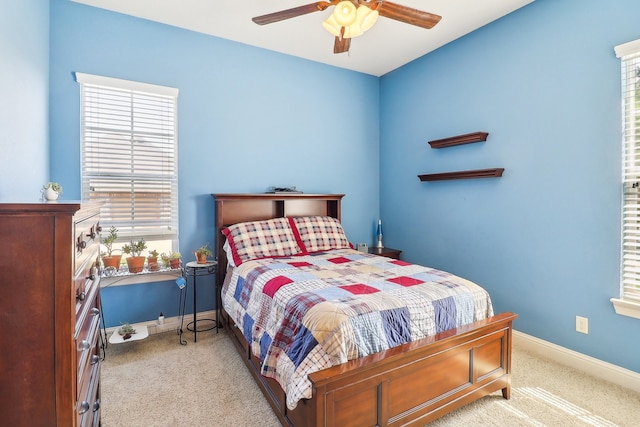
(157, 382)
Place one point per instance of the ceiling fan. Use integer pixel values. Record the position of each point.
(351, 18)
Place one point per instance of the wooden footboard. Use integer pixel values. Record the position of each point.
(408, 385)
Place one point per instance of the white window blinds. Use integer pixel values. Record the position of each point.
(129, 155)
(630, 57)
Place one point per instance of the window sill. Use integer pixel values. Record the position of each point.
(125, 278)
(626, 308)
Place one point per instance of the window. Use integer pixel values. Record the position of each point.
(129, 157)
(629, 302)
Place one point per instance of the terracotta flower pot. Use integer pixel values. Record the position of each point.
(111, 261)
(201, 258)
(174, 263)
(135, 264)
(152, 263)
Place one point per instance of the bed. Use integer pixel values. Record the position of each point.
(395, 382)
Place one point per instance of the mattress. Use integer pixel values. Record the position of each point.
(304, 313)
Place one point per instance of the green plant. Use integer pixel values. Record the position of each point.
(204, 250)
(165, 259)
(153, 254)
(108, 240)
(135, 248)
(54, 186)
(171, 256)
(126, 331)
(126, 328)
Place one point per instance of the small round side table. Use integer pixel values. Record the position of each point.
(195, 270)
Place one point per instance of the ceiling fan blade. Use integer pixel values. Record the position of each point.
(408, 15)
(293, 12)
(341, 45)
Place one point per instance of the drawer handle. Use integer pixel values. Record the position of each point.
(94, 311)
(84, 345)
(96, 405)
(81, 296)
(81, 245)
(84, 407)
(95, 359)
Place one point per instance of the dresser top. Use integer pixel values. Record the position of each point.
(57, 207)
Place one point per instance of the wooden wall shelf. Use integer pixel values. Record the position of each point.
(479, 173)
(459, 140)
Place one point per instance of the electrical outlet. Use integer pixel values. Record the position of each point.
(582, 324)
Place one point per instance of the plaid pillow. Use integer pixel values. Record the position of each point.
(321, 233)
(260, 239)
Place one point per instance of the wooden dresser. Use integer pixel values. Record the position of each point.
(49, 314)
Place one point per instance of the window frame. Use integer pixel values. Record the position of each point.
(628, 302)
(134, 114)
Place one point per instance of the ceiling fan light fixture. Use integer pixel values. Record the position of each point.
(345, 13)
(366, 17)
(353, 30)
(332, 26)
(352, 18)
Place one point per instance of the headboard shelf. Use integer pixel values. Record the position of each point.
(232, 208)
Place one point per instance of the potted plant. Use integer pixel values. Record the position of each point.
(202, 253)
(152, 260)
(165, 260)
(109, 259)
(51, 191)
(127, 331)
(135, 261)
(171, 260)
(174, 260)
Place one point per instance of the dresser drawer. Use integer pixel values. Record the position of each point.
(86, 376)
(86, 337)
(86, 235)
(88, 347)
(87, 275)
(88, 306)
(87, 254)
(88, 407)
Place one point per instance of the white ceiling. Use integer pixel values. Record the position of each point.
(385, 47)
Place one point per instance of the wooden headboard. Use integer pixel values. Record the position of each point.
(234, 208)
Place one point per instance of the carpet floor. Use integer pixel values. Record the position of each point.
(157, 382)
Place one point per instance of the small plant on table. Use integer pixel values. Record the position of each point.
(202, 253)
(51, 191)
(126, 331)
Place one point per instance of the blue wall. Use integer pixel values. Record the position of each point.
(248, 119)
(24, 85)
(545, 238)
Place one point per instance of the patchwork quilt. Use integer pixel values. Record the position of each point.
(302, 314)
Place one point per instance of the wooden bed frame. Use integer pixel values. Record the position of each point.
(411, 384)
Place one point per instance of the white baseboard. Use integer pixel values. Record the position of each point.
(170, 323)
(595, 367)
